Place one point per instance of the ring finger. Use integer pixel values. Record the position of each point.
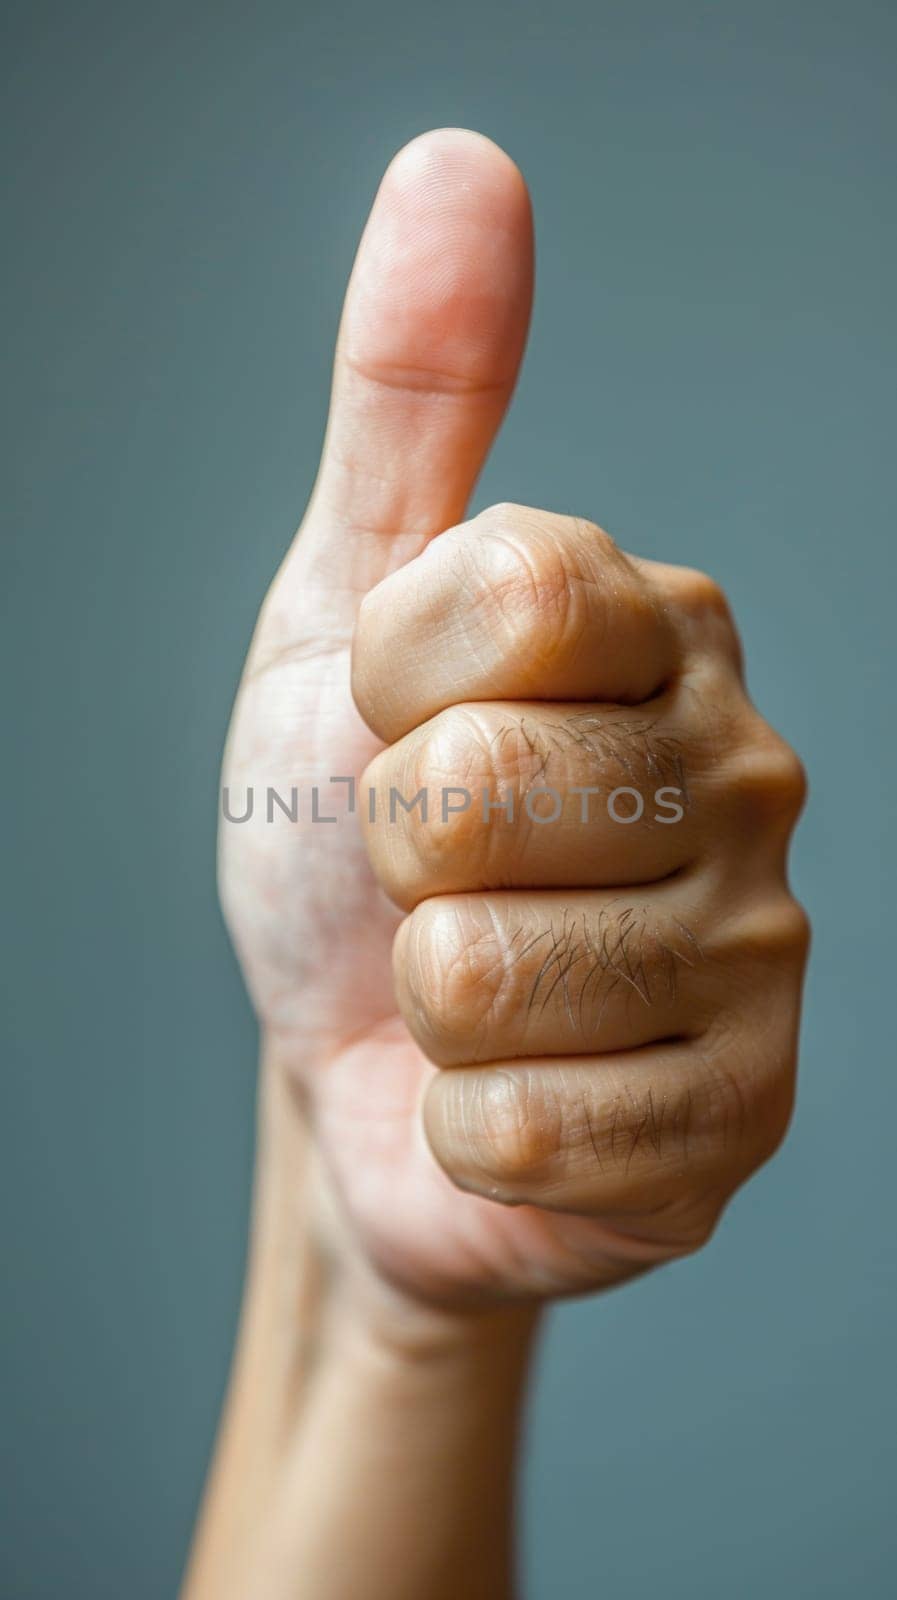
(486, 977)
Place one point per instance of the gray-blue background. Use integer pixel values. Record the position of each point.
(711, 375)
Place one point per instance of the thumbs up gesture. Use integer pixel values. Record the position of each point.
(503, 849)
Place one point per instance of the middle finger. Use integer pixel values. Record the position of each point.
(521, 795)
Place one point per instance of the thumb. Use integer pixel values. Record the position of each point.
(430, 342)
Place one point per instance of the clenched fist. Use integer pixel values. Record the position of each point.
(534, 987)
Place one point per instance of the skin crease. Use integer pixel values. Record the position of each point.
(613, 1009)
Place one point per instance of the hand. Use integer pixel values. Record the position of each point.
(535, 1057)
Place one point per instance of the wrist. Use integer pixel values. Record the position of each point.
(358, 1327)
(383, 1336)
(348, 1391)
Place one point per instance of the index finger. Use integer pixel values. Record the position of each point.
(516, 604)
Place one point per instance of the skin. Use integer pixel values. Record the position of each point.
(503, 1061)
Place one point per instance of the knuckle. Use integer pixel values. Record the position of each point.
(702, 595)
(701, 601)
(450, 799)
(458, 973)
(516, 1129)
(453, 764)
(543, 586)
(529, 585)
(771, 780)
(452, 747)
(786, 778)
(514, 755)
(749, 1099)
(477, 770)
(796, 931)
(774, 930)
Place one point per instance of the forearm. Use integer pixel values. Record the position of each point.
(368, 1444)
